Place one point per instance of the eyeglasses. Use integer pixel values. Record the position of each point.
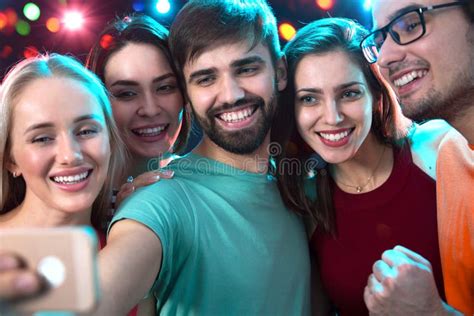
(404, 29)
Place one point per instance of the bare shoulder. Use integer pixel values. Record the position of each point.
(424, 144)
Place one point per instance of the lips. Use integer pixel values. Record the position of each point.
(149, 131)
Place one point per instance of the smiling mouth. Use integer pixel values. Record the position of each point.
(409, 77)
(239, 115)
(149, 132)
(72, 179)
(335, 137)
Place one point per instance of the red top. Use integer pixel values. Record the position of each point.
(400, 212)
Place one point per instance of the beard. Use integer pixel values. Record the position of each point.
(451, 103)
(246, 140)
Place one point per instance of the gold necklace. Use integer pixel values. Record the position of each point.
(359, 188)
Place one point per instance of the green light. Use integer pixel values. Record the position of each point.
(22, 28)
(31, 11)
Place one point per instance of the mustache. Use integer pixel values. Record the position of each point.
(396, 67)
(239, 103)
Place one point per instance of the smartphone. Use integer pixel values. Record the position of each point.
(66, 258)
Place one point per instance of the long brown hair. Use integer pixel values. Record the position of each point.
(139, 29)
(320, 37)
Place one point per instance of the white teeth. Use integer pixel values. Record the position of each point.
(232, 117)
(150, 131)
(409, 77)
(335, 137)
(71, 179)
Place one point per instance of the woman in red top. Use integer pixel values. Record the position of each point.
(361, 183)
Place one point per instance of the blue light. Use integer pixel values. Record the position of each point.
(138, 6)
(163, 6)
(367, 5)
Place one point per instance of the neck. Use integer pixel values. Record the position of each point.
(141, 164)
(464, 124)
(36, 214)
(369, 168)
(256, 162)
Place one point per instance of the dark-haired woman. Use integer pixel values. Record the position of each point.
(372, 190)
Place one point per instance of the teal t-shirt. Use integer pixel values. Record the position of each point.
(230, 247)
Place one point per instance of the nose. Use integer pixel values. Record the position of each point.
(332, 113)
(230, 90)
(69, 151)
(150, 106)
(390, 53)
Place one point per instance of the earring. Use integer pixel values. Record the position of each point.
(15, 175)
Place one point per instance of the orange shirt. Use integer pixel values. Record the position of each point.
(455, 199)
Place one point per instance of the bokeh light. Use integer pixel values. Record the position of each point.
(163, 6)
(73, 20)
(3, 20)
(106, 40)
(138, 5)
(31, 11)
(23, 28)
(30, 52)
(325, 4)
(12, 17)
(287, 31)
(367, 5)
(6, 51)
(53, 25)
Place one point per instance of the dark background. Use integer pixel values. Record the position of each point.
(98, 12)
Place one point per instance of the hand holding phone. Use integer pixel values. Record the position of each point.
(64, 257)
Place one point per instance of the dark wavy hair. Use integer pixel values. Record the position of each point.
(140, 29)
(388, 125)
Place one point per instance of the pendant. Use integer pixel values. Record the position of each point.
(358, 189)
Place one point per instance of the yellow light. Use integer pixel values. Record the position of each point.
(287, 31)
(53, 25)
(325, 4)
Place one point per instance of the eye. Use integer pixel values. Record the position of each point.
(124, 95)
(247, 70)
(87, 132)
(351, 94)
(166, 88)
(205, 81)
(307, 100)
(42, 139)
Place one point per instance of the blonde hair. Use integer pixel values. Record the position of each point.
(12, 190)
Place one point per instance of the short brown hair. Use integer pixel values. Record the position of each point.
(202, 23)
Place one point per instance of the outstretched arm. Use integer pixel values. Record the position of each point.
(128, 267)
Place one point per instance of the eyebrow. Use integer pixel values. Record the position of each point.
(77, 120)
(402, 11)
(339, 87)
(135, 83)
(235, 64)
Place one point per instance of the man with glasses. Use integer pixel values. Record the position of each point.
(425, 50)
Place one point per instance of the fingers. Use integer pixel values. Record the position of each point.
(150, 177)
(381, 271)
(15, 280)
(17, 283)
(412, 255)
(142, 180)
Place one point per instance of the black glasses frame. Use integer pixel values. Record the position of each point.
(387, 29)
